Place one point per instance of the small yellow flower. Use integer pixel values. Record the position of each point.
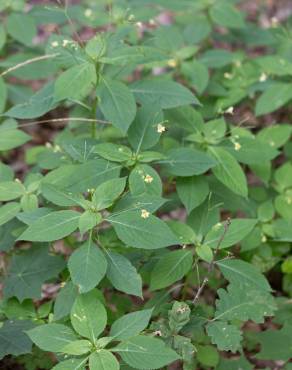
(288, 200)
(88, 13)
(172, 63)
(145, 213)
(264, 238)
(139, 24)
(148, 179)
(237, 146)
(263, 77)
(65, 43)
(228, 76)
(160, 128)
(230, 110)
(54, 44)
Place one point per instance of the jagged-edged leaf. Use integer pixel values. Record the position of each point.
(227, 337)
(88, 315)
(242, 273)
(192, 191)
(54, 226)
(122, 274)
(52, 337)
(29, 270)
(143, 352)
(131, 324)
(243, 304)
(187, 162)
(87, 266)
(13, 338)
(117, 103)
(171, 267)
(237, 230)
(164, 93)
(103, 360)
(138, 229)
(8, 212)
(76, 82)
(229, 172)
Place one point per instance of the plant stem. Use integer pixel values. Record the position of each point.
(93, 124)
(212, 263)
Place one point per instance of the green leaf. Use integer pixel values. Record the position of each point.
(184, 232)
(243, 304)
(276, 135)
(87, 266)
(237, 230)
(37, 105)
(143, 132)
(144, 179)
(103, 360)
(117, 103)
(234, 364)
(72, 364)
(273, 98)
(165, 94)
(76, 82)
(88, 315)
(65, 300)
(114, 152)
(59, 196)
(52, 337)
(192, 191)
(139, 232)
(130, 325)
(54, 226)
(146, 353)
(106, 193)
(227, 337)
(8, 212)
(225, 14)
(10, 190)
(88, 220)
(187, 162)
(242, 273)
(170, 268)
(79, 178)
(197, 73)
(13, 338)
(2, 36)
(275, 344)
(208, 355)
(77, 348)
(29, 270)
(3, 92)
(11, 137)
(229, 172)
(123, 275)
(21, 27)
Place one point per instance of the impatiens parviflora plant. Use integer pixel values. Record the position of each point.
(95, 213)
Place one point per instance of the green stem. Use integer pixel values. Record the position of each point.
(93, 125)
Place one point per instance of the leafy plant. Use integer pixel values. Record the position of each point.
(148, 229)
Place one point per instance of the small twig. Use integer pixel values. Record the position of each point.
(212, 263)
(29, 61)
(64, 119)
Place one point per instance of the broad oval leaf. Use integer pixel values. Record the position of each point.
(103, 360)
(8, 212)
(54, 226)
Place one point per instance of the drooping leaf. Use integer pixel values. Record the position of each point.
(52, 337)
(142, 232)
(122, 274)
(54, 226)
(170, 268)
(87, 266)
(143, 352)
(117, 103)
(29, 270)
(131, 324)
(88, 315)
(192, 191)
(229, 172)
